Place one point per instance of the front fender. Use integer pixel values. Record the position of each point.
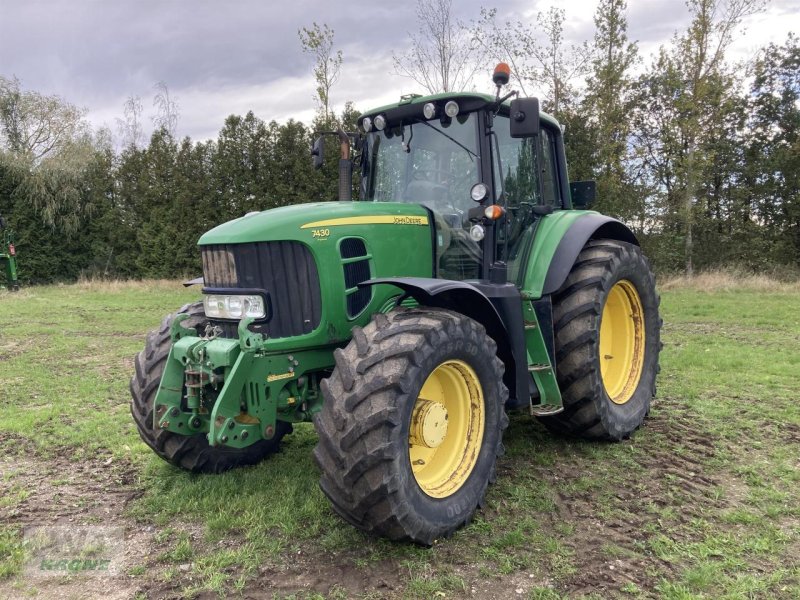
(469, 300)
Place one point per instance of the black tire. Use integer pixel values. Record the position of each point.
(364, 450)
(189, 452)
(578, 306)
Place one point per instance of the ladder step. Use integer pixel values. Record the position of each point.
(545, 410)
(532, 368)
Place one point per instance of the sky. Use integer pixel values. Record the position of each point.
(230, 56)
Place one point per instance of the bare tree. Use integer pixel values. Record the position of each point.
(167, 109)
(318, 42)
(538, 58)
(443, 57)
(130, 127)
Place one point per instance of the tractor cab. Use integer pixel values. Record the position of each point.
(456, 155)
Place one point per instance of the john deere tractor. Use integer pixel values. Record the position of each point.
(468, 279)
(8, 256)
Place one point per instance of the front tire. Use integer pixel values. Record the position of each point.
(412, 423)
(607, 340)
(189, 452)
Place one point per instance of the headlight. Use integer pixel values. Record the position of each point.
(380, 122)
(234, 307)
(367, 124)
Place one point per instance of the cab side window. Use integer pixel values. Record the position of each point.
(550, 188)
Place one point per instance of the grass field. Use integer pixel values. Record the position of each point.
(704, 502)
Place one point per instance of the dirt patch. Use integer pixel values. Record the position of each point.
(662, 493)
(59, 492)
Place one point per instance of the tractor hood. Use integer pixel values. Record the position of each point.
(308, 260)
(321, 221)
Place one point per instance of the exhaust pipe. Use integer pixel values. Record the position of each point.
(345, 167)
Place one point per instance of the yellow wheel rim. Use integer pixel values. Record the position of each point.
(622, 342)
(446, 430)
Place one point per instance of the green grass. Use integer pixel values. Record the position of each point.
(704, 502)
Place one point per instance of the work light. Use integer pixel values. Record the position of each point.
(451, 109)
(367, 124)
(429, 110)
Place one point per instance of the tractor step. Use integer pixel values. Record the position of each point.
(545, 410)
(537, 368)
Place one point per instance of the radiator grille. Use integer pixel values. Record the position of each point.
(286, 270)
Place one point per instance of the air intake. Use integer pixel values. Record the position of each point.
(355, 261)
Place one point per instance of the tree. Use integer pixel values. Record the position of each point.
(685, 101)
(318, 42)
(608, 104)
(773, 148)
(166, 110)
(442, 57)
(34, 126)
(130, 127)
(539, 58)
(698, 59)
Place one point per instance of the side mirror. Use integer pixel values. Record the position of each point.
(583, 194)
(318, 153)
(524, 117)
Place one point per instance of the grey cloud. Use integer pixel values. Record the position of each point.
(219, 57)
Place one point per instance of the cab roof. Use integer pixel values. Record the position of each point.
(411, 105)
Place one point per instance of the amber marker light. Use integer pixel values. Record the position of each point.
(494, 212)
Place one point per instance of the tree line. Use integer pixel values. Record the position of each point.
(699, 155)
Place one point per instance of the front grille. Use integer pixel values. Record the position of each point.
(286, 270)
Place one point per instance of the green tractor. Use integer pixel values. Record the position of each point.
(8, 255)
(469, 279)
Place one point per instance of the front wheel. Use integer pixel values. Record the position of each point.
(412, 424)
(607, 342)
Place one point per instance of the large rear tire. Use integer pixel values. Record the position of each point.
(412, 424)
(607, 340)
(189, 452)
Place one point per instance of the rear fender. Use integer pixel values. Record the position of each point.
(558, 240)
(590, 226)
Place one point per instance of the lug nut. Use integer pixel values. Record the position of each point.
(174, 412)
(231, 424)
(224, 439)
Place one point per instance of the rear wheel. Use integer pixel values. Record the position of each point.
(412, 422)
(607, 338)
(190, 452)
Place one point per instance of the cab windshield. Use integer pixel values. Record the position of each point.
(435, 164)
